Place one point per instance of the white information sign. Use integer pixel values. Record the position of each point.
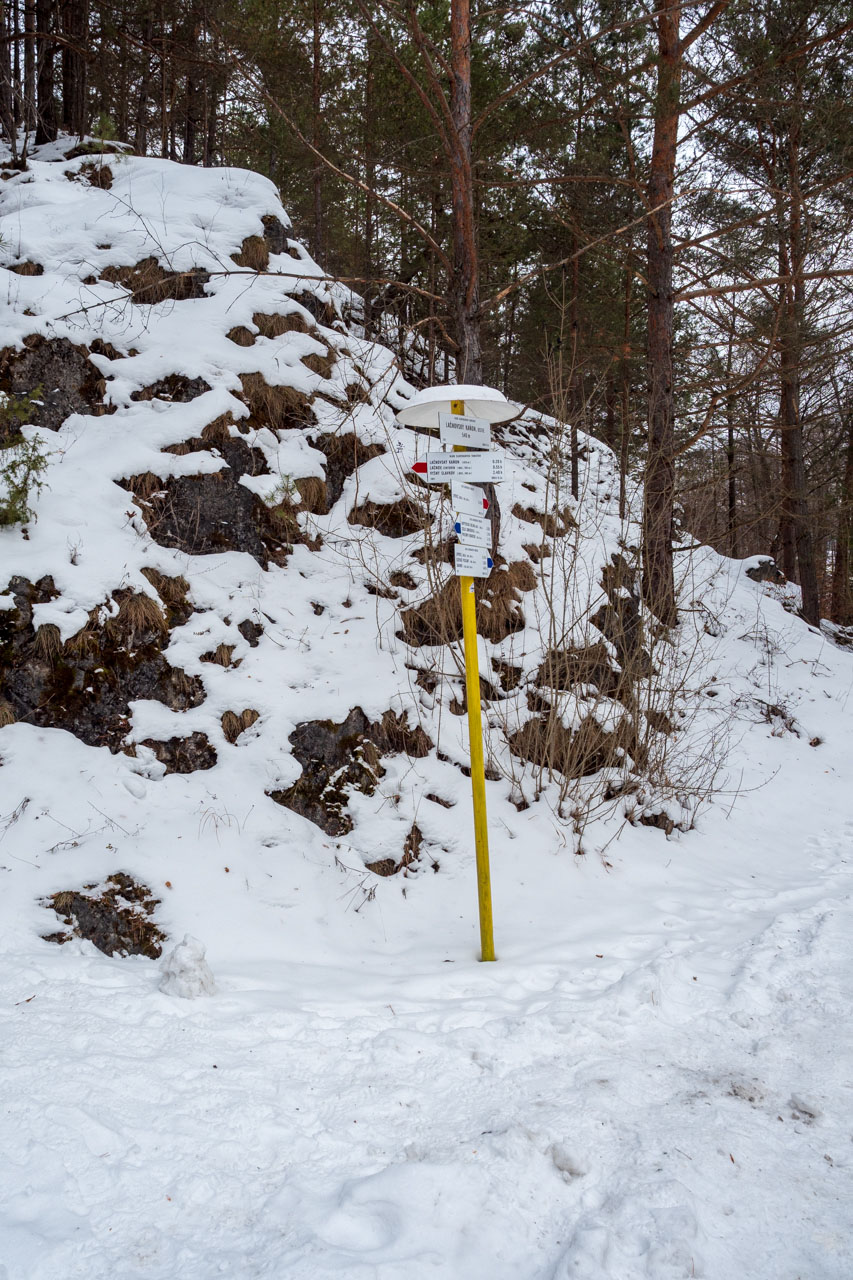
(458, 428)
(482, 467)
(471, 562)
(468, 501)
(474, 532)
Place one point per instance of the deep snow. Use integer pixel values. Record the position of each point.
(654, 1078)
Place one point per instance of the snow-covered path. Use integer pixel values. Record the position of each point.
(678, 1107)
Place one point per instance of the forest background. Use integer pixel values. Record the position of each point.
(634, 217)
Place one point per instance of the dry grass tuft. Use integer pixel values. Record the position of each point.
(322, 365)
(221, 655)
(149, 284)
(273, 326)
(139, 620)
(242, 336)
(48, 642)
(233, 724)
(281, 408)
(7, 714)
(170, 590)
(27, 269)
(438, 619)
(143, 485)
(254, 254)
(554, 524)
(312, 493)
(217, 432)
(394, 519)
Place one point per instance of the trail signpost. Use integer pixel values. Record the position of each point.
(473, 460)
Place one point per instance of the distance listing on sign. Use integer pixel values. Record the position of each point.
(471, 562)
(482, 467)
(474, 531)
(467, 500)
(459, 429)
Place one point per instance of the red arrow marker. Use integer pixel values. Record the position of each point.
(420, 467)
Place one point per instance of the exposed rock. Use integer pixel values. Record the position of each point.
(68, 381)
(184, 755)
(211, 513)
(275, 233)
(86, 685)
(251, 632)
(337, 759)
(176, 387)
(766, 570)
(115, 916)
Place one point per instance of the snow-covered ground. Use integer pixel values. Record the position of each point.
(654, 1078)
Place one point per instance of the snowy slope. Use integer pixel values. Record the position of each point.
(653, 1080)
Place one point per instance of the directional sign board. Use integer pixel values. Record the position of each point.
(443, 467)
(458, 428)
(471, 562)
(466, 500)
(474, 532)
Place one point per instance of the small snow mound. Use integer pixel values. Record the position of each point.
(186, 973)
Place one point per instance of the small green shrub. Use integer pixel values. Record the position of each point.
(22, 461)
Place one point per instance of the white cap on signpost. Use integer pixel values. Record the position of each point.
(486, 403)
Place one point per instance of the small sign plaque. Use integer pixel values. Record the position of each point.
(467, 500)
(457, 428)
(440, 468)
(471, 562)
(474, 532)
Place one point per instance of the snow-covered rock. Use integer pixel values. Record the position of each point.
(186, 973)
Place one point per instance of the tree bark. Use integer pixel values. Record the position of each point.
(465, 284)
(46, 121)
(658, 577)
(319, 245)
(796, 528)
(842, 586)
(7, 114)
(75, 29)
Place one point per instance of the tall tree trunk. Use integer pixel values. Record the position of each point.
(7, 113)
(30, 65)
(465, 284)
(319, 245)
(192, 93)
(731, 478)
(75, 30)
(658, 578)
(46, 123)
(842, 586)
(140, 133)
(795, 491)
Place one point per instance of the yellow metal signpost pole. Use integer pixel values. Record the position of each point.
(475, 734)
